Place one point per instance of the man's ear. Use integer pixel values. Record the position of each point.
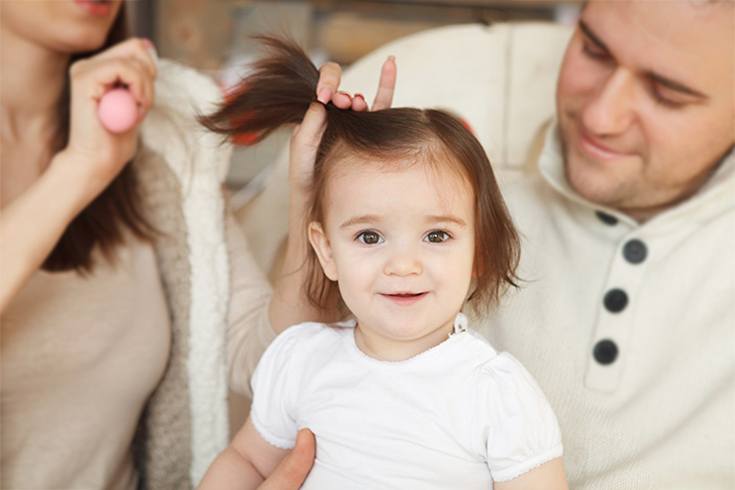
(320, 244)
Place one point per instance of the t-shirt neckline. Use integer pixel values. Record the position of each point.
(460, 331)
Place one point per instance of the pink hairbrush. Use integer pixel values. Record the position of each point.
(118, 110)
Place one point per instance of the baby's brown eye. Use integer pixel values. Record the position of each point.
(437, 236)
(369, 238)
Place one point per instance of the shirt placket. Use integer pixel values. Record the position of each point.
(610, 347)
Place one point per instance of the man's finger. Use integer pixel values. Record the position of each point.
(386, 85)
(294, 468)
(330, 75)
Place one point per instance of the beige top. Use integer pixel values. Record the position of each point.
(80, 356)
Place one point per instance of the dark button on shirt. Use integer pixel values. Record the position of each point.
(615, 300)
(608, 219)
(635, 251)
(605, 351)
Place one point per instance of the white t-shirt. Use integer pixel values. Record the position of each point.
(458, 415)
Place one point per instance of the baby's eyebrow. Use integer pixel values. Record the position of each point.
(365, 219)
(446, 218)
(369, 219)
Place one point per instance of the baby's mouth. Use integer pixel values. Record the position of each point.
(405, 297)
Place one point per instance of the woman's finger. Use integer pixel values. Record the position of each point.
(359, 103)
(330, 75)
(147, 84)
(309, 132)
(139, 48)
(386, 85)
(98, 76)
(343, 100)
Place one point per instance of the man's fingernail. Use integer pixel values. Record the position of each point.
(324, 95)
(391, 58)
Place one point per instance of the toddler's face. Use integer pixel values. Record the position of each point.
(400, 243)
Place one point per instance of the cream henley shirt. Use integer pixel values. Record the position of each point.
(629, 330)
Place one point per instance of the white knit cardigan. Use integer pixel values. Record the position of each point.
(180, 168)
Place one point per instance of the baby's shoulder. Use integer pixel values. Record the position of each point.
(499, 375)
(487, 359)
(309, 337)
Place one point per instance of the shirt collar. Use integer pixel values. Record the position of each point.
(715, 196)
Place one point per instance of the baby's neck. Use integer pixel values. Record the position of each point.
(385, 348)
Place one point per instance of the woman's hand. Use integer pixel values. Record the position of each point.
(307, 136)
(330, 75)
(93, 153)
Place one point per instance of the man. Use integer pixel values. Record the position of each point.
(626, 316)
(625, 313)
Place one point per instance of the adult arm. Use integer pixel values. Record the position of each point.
(31, 225)
(289, 304)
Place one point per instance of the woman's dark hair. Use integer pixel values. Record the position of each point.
(279, 91)
(103, 222)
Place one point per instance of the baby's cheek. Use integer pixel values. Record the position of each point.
(354, 278)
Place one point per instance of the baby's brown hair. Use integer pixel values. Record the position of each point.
(279, 91)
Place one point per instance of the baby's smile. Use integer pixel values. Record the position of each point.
(404, 298)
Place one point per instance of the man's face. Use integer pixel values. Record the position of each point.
(646, 101)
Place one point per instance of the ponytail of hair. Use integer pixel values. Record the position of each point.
(277, 92)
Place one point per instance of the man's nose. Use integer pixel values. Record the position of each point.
(612, 110)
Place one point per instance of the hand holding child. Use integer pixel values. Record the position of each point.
(294, 468)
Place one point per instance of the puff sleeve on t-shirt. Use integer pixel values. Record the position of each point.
(520, 428)
(275, 386)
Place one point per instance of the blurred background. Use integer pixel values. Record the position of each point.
(213, 36)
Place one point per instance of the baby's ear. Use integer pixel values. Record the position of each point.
(322, 248)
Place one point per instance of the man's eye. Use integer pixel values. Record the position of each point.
(665, 101)
(369, 238)
(437, 236)
(594, 52)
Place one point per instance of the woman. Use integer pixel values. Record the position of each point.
(118, 294)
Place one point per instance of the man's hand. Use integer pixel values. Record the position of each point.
(294, 468)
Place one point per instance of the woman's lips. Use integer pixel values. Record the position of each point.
(404, 299)
(99, 8)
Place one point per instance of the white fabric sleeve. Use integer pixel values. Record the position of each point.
(275, 390)
(521, 428)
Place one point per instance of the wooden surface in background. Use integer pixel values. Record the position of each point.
(204, 33)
